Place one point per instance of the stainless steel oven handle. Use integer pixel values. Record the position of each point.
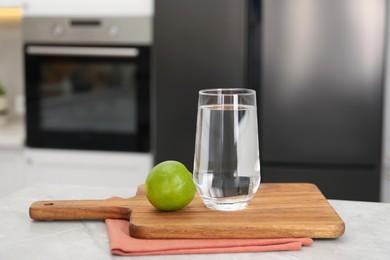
(82, 51)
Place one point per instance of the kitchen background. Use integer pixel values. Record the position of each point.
(209, 48)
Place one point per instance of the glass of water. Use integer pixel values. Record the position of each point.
(226, 161)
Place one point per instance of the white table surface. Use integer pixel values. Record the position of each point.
(367, 234)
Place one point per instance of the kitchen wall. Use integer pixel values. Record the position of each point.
(11, 68)
(82, 7)
(385, 176)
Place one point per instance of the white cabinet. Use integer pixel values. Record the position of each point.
(109, 169)
(11, 171)
(22, 167)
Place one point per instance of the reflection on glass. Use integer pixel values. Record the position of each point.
(95, 97)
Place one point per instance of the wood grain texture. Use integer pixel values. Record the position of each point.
(281, 210)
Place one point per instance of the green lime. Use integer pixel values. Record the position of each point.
(169, 186)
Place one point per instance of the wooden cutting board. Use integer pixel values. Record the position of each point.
(278, 210)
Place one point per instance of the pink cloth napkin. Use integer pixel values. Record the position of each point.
(121, 243)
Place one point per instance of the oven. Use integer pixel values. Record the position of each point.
(87, 83)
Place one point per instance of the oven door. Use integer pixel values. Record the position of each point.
(88, 97)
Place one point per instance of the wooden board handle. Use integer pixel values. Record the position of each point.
(81, 209)
(87, 209)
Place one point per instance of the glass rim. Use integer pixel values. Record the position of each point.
(227, 91)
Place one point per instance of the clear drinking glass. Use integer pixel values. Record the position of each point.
(226, 161)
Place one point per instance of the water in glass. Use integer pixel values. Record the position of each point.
(226, 162)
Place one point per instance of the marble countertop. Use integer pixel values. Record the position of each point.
(367, 234)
